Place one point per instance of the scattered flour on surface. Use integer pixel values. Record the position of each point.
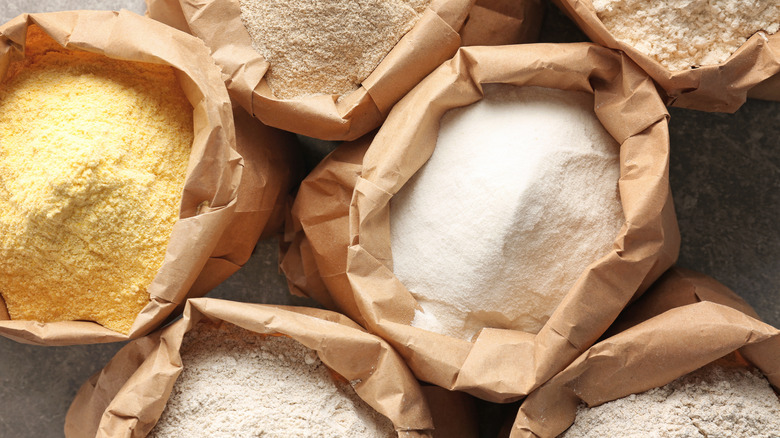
(236, 383)
(518, 198)
(325, 46)
(684, 33)
(714, 401)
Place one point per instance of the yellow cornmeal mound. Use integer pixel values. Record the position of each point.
(93, 154)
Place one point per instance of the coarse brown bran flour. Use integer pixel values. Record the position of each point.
(325, 46)
(93, 153)
(684, 33)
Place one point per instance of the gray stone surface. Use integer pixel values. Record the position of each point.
(11, 8)
(725, 174)
(725, 177)
(259, 280)
(37, 385)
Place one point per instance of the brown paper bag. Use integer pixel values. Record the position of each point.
(128, 396)
(433, 40)
(454, 413)
(676, 288)
(271, 168)
(691, 321)
(200, 253)
(314, 251)
(721, 87)
(504, 365)
(501, 22)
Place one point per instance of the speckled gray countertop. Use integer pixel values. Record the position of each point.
(725, 176)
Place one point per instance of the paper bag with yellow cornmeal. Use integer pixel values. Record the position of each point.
(120, 176)
(352, 254)
(685, 321)
(129, 395)
(332, 72)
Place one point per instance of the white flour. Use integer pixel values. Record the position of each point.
(684, 33)
(714, 401)
(239, 384)
(518, 198)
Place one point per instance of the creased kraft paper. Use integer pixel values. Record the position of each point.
(207, 244)
(271, 168)
(128, 396)
(314, 251)
(501, 364)
(686, 321)
(501, 22)
(718, 88)
(433, 40)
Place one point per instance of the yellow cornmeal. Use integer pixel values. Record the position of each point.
(93, 153)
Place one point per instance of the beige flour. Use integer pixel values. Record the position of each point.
(236, 383)
(325, 46)
(518, 198)
(715, 401)
(684, 33)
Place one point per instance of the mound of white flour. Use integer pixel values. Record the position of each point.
(518, 198)
(714, 401)
(239, 384)
(684, 33)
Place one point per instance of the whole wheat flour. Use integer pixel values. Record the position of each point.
(714, 401)
(325, 46)
(518, 198)
(93, 155)
(236, 383)
(684, 33)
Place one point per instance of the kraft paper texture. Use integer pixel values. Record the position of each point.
(686, 321)
(314, 252)
(232, 189)
(128, 396)
(433, 40)
(717, 88)
(501, 22)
